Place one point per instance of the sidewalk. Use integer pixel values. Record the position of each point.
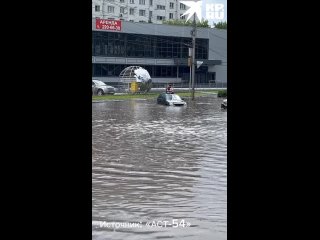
(185, 89)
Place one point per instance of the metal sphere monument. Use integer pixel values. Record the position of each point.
(135, 79)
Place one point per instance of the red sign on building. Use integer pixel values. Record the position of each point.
(104, 24)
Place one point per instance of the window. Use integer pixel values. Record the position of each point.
(110, 9)
(171, 5)
(97, 70)
(150, 2)
(182, 17)
(150, 14)
(97, 8)
(121, 1)
(112, 44)
(170, 15)
(109, 44)
(142, 12)
(142, 2)
(161, 7)
(202, 49)
(160, 17)
(182, 6)
(132, 1)
(211, 77)
(121, 9)
(131, 11)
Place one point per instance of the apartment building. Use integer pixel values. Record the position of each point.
(152, 11)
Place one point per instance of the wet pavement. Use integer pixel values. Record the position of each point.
(156, 167)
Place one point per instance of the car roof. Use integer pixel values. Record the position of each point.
(97, 81)
(168, 93)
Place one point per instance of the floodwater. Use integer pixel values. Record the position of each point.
(159, 172)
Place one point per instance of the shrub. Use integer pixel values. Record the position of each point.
(222, 93)
(180, 22)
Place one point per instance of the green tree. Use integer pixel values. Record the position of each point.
(220, 25)
(181, 22)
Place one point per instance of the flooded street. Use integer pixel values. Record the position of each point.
(155, 163)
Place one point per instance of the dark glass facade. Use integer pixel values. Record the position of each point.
(113, 44)
(114, 70)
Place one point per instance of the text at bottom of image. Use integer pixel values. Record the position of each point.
(174, 223)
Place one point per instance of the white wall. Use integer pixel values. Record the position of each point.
(221, 72)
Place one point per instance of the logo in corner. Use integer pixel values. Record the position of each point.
(206, 8)
(195, 8)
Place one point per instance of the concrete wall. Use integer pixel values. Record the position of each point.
(221, 72)
(133, 61)
(218, 45)
(167, 30)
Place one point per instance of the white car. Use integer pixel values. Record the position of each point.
(224, 104)
(170, 99)
(100, 88)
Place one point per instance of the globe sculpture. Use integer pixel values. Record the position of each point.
(135, 79)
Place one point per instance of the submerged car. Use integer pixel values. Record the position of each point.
(170, 99)
(224, 104)
(100, 88)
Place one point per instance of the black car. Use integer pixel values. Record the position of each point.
(170, 99)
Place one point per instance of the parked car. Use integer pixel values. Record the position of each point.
(100, 88)
(224, 104)
(170, 99)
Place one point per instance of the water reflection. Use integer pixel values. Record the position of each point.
(154, 162)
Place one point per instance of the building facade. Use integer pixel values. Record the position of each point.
(161, 49)
(152, 11)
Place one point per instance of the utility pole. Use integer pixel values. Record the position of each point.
(190, 66)
(193, 62)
